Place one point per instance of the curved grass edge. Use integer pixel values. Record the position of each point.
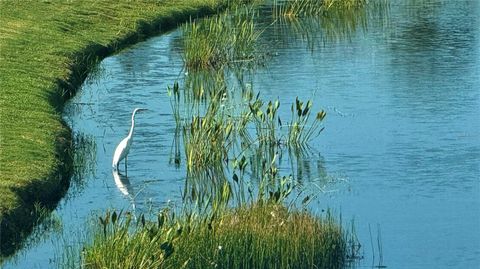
(38, 77)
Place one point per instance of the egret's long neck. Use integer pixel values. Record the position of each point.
(133, 125)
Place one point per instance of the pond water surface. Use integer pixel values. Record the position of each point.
(400, 153)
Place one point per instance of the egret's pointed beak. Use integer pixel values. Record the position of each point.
(140, 109)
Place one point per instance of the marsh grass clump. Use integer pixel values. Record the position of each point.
(265, 235)
(320, 22)
(207, 137)
(259, 235)
(119, 242)
(220, 41)
(295, 8)
(298, 8)
(237, 3)
(206, 141)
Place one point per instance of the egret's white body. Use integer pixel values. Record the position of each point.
(123, 148)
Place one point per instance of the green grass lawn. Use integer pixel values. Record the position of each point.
(46, 50)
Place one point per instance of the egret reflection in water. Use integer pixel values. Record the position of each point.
(124, 186)
(122, 183)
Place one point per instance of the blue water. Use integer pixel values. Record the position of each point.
(400, 153)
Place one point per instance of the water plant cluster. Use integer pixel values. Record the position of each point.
(232, 123)
(319, 22)
(225, 39)
(297, 8)
(265, 235)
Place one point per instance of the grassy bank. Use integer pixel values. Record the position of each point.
(46, 50)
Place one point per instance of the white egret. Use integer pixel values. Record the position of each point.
(123, 148)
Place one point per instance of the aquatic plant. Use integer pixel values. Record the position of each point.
(121, 243)
(300, 130)
(297, 8)
(204, 84)
(344, 4)
(220, 41)
(237, 3)
(231, 122)
(207, 138)
(318, 23)
(265, 121)
(260, 235)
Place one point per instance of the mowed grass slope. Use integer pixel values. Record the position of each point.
(46, 50)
